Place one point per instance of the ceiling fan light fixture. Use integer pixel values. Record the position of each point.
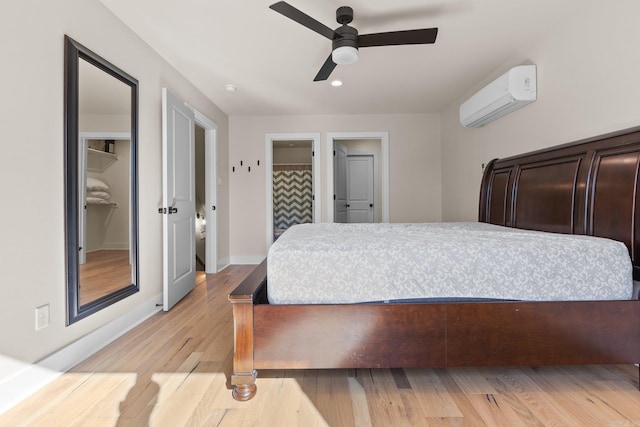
(345, 40)
(344, 55)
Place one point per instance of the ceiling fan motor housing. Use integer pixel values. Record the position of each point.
(348, 37)
(345, 35)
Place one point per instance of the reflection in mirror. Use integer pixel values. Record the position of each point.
(103, 221)
(101, 196)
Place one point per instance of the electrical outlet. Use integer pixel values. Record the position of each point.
(42, 317)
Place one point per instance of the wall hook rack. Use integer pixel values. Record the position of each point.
(233, 168)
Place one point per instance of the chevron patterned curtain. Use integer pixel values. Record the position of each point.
(292, 195)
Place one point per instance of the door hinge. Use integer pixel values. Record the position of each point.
(334, 197)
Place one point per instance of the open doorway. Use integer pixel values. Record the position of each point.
(359, 176)
(292, 184)
(206, 186)
(201, 206)
(179, 123)
(356, 181)
(292, 160)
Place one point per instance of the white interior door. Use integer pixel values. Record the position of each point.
(178, 179)
(339, 182)
(360, 188)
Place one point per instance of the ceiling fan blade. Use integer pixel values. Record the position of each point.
(424, 36)
(302, 18)
(326, 70)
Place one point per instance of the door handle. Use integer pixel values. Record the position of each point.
(348, 205)
(370, 205)
(171, 210)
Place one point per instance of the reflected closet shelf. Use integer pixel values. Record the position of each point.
(101, 202)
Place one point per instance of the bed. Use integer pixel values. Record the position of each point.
(584, 188)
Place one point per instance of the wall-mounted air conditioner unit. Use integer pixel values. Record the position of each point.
(512, 90)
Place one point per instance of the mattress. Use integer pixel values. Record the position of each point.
(353, 263)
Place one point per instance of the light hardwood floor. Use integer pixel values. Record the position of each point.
(172, 371)
(103, 273)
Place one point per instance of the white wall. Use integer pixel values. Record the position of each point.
(414, 145)
(588, 85)
(31, 167)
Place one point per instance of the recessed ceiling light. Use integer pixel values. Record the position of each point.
(336, 83)
(230, 88)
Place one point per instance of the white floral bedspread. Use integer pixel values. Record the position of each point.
(348, 263)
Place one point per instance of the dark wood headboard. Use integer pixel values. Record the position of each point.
(586, 187)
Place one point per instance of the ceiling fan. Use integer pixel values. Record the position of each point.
(345, 39)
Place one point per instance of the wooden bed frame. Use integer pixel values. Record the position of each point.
(588, 187)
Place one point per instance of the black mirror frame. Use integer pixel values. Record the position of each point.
(73, 52)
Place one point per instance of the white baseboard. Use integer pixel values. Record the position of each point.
(29, 378)
(114, 246)
(246, 259)
(223, 263)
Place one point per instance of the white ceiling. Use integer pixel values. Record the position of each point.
(273, 60)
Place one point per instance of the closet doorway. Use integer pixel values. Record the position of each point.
(293, 182)
(360, 158)
(356, 182)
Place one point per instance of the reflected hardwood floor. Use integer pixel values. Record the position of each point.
(103, 273)
(172, 371)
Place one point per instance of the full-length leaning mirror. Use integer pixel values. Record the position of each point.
(101, 103)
